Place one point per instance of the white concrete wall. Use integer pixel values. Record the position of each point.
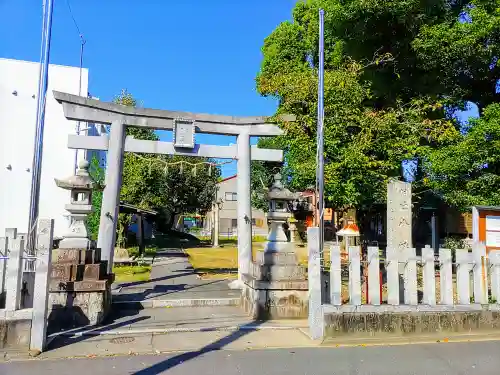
(17, 131)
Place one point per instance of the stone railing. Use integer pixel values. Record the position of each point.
(403, 277)
(12, 249)
(20, 326)
(398, 281)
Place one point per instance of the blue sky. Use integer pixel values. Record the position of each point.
(190, 55)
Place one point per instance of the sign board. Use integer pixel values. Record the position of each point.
(492, 223)
(493, 239)
(183, 133)
(486, 226)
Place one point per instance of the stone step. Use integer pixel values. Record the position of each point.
(182, 302)
(278, 272)
(279, 258)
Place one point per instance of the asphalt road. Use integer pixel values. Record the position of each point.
(480, 358)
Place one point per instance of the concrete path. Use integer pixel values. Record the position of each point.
(179, 319)
(123, 344)
(172, 278)
(438, 359)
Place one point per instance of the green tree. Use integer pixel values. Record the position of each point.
(445, 49)
(467, 172)
(169, 184)
(364, 146)
(262, 175)
(395, 72)
(97, 174)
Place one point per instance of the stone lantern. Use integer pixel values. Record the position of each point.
(80, 185)
(80, 286)
(280, 199)
(276, 287)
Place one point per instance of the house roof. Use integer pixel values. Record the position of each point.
(227, 178)
(131, 209)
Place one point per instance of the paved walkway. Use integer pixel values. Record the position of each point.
(144, 343)
(178, 319)
(172, 278)
(135, 327)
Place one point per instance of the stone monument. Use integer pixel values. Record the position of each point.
(276, 287)
(80, 286)
(399, 228)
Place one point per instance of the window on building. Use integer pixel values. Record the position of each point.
(231, 196)
(234, 223)
(253, 222)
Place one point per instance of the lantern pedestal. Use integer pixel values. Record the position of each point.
(277, 240)
(276, 288)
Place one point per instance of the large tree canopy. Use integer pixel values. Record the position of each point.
(364, 145)
(467, 172)
(395, 72)
(443, 48)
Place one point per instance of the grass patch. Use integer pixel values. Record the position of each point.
(232, 240)
(149, 251)
(213, 263)
(131, 273)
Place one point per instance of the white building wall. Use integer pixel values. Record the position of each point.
(18, 90)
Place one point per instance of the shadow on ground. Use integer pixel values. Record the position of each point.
(58, 340)
(163, 278)
(169, 363)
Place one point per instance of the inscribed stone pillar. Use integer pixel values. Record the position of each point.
(399, 228)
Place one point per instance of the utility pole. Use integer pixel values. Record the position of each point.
(48, 7)
(320, 174)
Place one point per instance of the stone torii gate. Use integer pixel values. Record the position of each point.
(184, 126)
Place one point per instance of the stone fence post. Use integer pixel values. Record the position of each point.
(42, 278)
(14, 272)
(3, 264)
(480, 273)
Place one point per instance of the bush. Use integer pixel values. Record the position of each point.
(454, 243)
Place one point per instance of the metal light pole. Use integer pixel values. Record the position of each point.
(36, 168)
(320, 174)
(78, 124)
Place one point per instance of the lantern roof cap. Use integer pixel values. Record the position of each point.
(80, 180)
(277, 191)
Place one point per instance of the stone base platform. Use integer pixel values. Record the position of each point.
(413, 322)
(79, 290)
(15, 334)
(276, 288)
